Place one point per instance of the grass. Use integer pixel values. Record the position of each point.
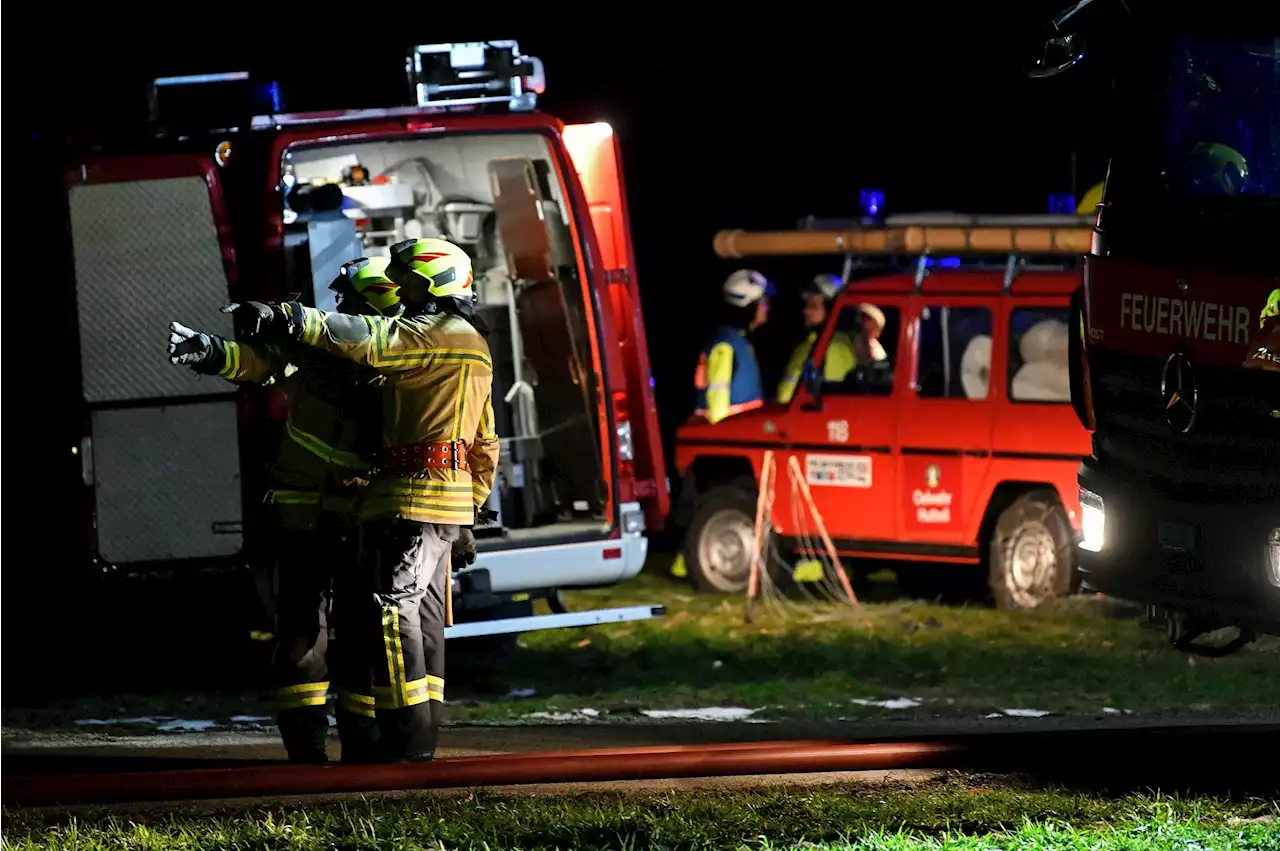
(951, 813)
(812, 661)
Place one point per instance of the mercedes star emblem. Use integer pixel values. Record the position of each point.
(1178, 393)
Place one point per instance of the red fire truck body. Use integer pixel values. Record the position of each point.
(1176, 329)
(174, 467)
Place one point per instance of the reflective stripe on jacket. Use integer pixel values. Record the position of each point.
(727, 379)
(837, 362)
(439, 379)
(331, 432)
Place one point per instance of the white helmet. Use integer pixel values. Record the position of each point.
(745, 287)
(825, 285)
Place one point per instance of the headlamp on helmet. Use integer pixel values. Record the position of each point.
(365, 282)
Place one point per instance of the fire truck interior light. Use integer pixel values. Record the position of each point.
(626, 447)
(1093, 521)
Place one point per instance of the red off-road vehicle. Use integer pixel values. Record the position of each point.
(959, 450)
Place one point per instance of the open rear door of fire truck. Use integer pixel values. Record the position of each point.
(162, 451)
(595, 154)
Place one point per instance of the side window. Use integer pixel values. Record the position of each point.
(1038, 355)
(955, 353)
(858, 360)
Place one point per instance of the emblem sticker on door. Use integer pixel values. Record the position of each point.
(932, 494)
(841, 471)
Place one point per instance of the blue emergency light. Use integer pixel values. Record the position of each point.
(1062, 205)
(872, 202)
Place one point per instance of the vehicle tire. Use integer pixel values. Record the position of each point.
(1032, 556)
(721, 535)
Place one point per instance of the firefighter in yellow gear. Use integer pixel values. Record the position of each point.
(432, 475)
(839, 359)
(1264, 350)
(325, 456)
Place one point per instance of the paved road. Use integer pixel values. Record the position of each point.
(1114, 755)
(22, 746)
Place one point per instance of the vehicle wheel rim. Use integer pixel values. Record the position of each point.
(1033, 564)
(724, 549)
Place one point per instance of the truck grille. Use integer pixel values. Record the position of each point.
(1232, 451)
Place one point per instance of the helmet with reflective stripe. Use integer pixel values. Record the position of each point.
(439, 265)
(1270, 309)
(825, 285)
(745, 287)
(1218, 169)
(366, 279)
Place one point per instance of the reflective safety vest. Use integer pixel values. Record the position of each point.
(727, 379)
(330, 436)
(838, 362)
(439, 390)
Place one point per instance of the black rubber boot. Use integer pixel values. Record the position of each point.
(360, 739)
(304, 731)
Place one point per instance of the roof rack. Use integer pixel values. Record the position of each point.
(475, 73)
(458, 76)
(1045, 235)
(922, 236)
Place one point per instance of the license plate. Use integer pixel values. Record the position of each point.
(1180, 537)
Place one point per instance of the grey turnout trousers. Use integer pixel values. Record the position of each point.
(395, 614)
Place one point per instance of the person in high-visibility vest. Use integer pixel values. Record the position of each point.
(727, 379)
(432, 476)
(329, 442)
(839, 359)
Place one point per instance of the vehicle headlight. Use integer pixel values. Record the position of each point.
(1273, 557)
(1093, 521)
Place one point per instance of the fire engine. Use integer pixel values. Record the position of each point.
(232, 197)
(959, 450)
(1176, 329)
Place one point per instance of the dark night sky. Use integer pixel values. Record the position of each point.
(717, 132)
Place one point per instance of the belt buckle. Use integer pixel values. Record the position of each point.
(453, 453)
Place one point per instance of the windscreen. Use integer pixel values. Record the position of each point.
(1222, 118)
(1194, 132)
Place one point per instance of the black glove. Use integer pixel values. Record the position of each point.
(464, 549)
(196, 349)
(258, 320)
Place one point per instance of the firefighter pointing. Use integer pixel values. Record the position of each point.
(331, 437)
(433, 473)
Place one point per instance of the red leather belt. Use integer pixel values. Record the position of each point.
(409, 459)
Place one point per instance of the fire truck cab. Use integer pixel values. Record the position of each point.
(176, 224)
(960, 450)
(1176, 329)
